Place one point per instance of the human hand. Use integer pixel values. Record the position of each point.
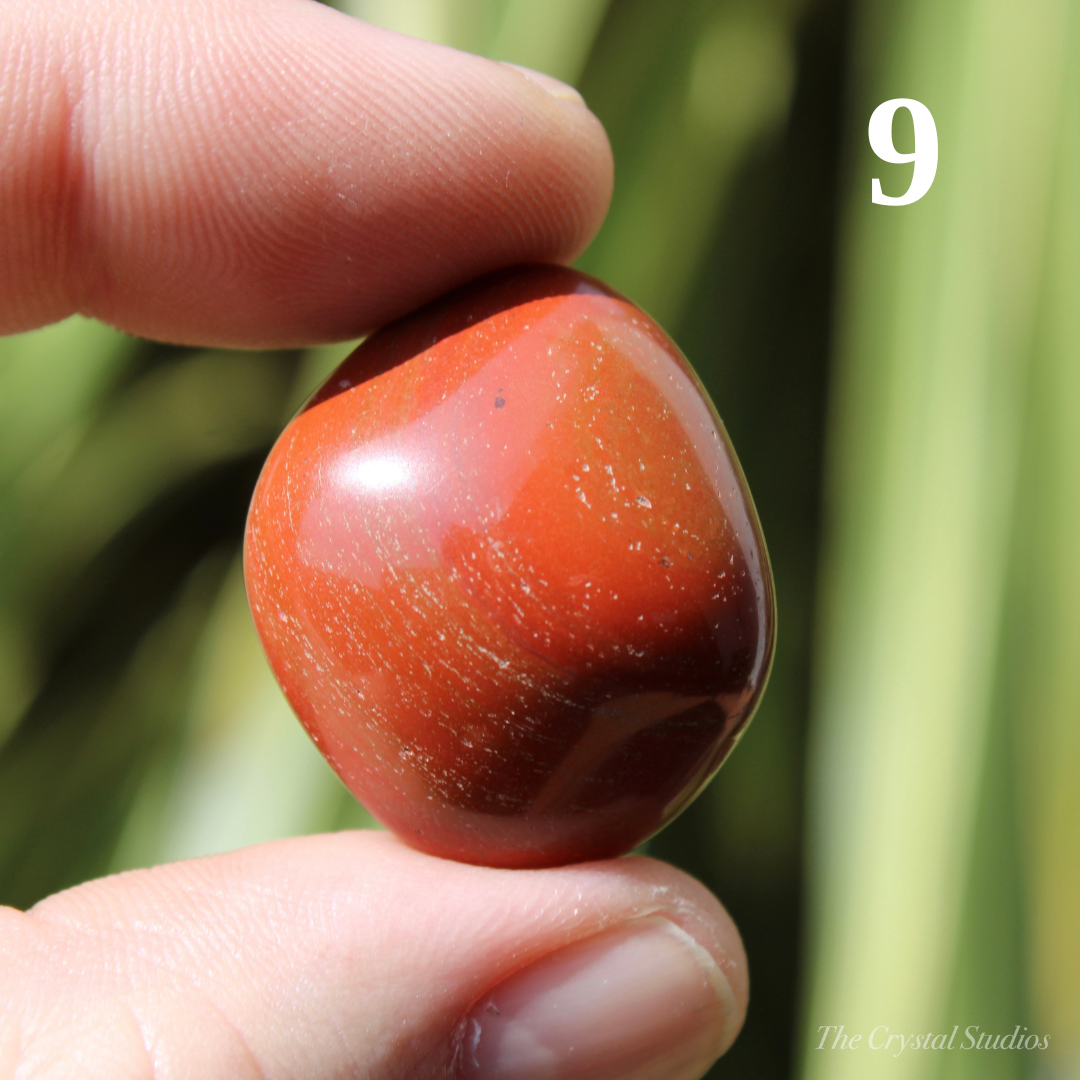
(268, 173)
(351, 955)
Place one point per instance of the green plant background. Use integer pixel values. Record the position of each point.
(898, 834)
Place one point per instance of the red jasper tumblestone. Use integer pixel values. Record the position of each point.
(508, 573)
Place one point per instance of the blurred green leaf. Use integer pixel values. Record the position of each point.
(245, 771)
(51, 380)
(939, 315)
(1042, 675)
(463, 24)
(171, 423)
(685, 91)
(555, 37)
(66, 787)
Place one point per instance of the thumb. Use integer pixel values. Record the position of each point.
(351, 955)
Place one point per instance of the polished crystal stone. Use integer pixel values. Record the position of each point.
(508, 573)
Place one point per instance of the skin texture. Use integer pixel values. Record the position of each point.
(269, 172)
(508, 573)
(233, 172)
(323, 957)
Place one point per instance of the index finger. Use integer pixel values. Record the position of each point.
(267, 173)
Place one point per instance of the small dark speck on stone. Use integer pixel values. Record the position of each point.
(664, 560)
(494, 1012)
(500, 402)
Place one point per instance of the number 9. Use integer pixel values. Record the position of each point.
(926, 149)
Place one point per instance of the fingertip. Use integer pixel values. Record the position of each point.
(636, 1001)
(346, 953)
(276, 173)
(555, 87)
(699, 913)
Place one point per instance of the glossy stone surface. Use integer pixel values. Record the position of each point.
(507, 571)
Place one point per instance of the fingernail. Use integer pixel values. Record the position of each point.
(555, 87)
(642, 1002)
